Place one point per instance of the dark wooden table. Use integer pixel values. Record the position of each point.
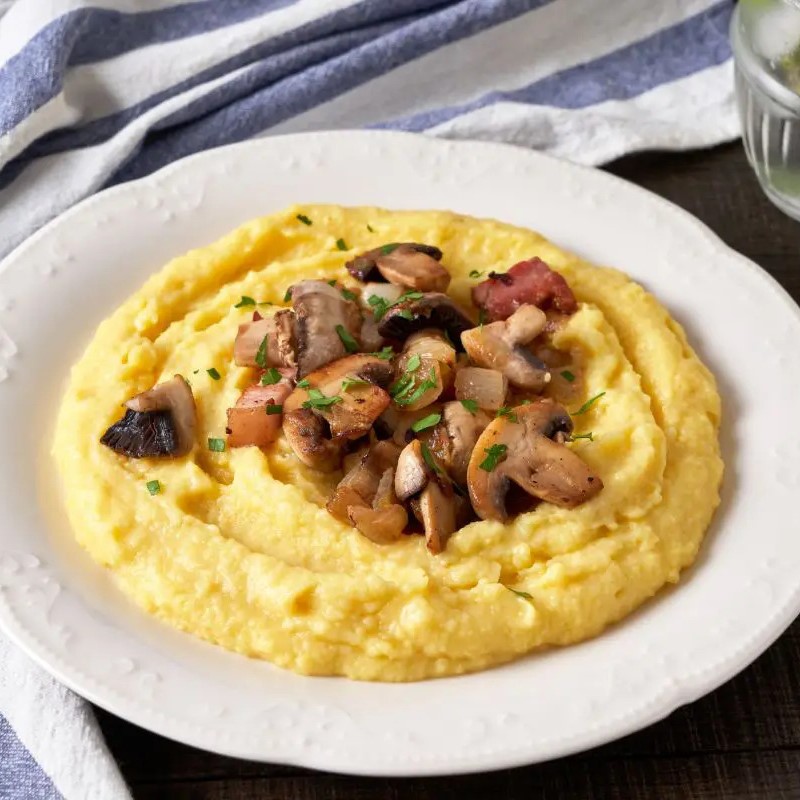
(742, 741)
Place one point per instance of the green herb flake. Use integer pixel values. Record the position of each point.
(304, 384)
(318, 400)
(494, 455)
(332, 282)
(411, 295)
(214, 373)
(348, 382)
(567, 375)
(428, 383)
(216, 445)
(274, 409)
(350, 344)
(405, 314)
(426, 422)
(588, 404)
(429, 459)
(370, 228)
(270, 377)
(481, 317)
(470, 405)
(589, 436)
(195, 371)
(348, 295)
(288, 296)
(386, 354)
(389, 248)
(401, 386)
(475, 274)
(245, 301)
(505, 411)
(379, 306)
(154, 487)
(340, 245)
(304, 219)
(413, 363)
(261, 353)
(517, 592)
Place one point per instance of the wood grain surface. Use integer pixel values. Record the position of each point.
(742, 741)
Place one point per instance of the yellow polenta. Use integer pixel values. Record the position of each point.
(238, 547)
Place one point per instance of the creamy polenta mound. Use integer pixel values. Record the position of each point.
(236, 546)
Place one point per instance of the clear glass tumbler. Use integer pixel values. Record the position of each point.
(765, 36)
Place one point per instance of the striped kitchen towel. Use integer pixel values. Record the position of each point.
(93, 93)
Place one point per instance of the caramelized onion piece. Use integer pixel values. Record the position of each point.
(487, 387)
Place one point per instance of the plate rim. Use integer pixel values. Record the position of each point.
(677, 696)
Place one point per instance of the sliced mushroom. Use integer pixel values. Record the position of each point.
(358, 400)
(257, 416)
(380, 525)
(323, 318)
(415, 266)
(361, 484)
(432, 310)
(523, 452)
(424, 369)
(279, 331)
(500, 346)
(159, 422)
(426, 485)
(454, 438)
(528, 282)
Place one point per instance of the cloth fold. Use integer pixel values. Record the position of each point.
(97, 92)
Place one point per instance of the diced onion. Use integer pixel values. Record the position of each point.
(487, 387)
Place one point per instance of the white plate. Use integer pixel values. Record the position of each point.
(740, 596)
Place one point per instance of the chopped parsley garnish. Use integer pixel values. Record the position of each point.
(413, 363)
(216, 445)
(405, 314)
(304, 219)
(475, 274)
(370, 228)
(589, 436)
(428, 458)
(350, 344)
(348, 382)
(389, 248)
(214, 373)
(245, 301)
(288, 296)
(379, 305)
(567, 375)
(154, 487)
(303, 384)
(318, 400)
(494, 455)
(332, 282)
(195, 371)
(506, 411)
(481, 317)
(426, 422)
(340, 245)
(261, 354)
(470, 405)
(588, 404)
(348, 295)
(517, 592)
(411, 295)
(274, 409)
(386, 354)
(270, 376)
(401, 386)
(428, 383)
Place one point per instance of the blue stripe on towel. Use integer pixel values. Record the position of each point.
(20, 775)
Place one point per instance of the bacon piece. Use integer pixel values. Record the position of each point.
(248, 421)
(532, 282)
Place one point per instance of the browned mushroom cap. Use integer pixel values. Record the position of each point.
(424, 369)
(323, 317)
(279, 331)
(500, 346)
(432, 310)
(346, 399)
(173, 396)
(424, 482)
(405, 264)
(524, 455)
(454, 438)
